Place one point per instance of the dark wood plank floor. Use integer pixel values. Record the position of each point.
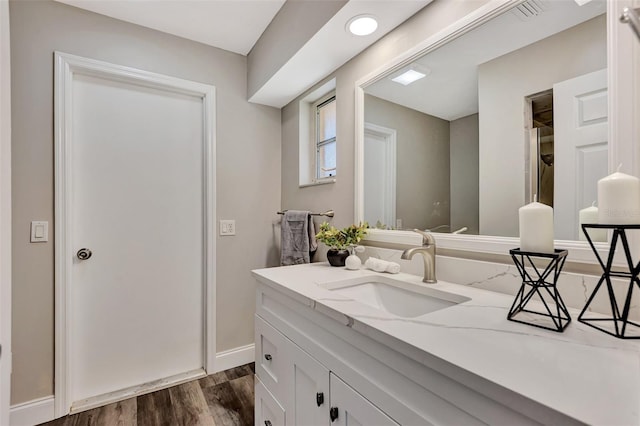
(222, 399)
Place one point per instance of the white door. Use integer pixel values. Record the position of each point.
(136, 208)
(353, 409)
(581, 148)
(379, 175)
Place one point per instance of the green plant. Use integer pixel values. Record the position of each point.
(340, 239)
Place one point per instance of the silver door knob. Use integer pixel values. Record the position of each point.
(84, 254)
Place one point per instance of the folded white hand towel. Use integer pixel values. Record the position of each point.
(380, 265)
(393, 268)
(375, 264)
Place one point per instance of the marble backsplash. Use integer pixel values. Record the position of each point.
(574, 288)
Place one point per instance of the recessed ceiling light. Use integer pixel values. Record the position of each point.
(582, 2)
(362, 25)
(411, 75)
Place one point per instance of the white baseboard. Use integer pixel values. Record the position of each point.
(235, 357)
(32, 412)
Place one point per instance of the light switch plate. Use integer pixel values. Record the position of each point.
(39, 231)
(227, 227)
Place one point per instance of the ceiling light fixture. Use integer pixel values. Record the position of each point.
(362, 25)
(412, 74)
(582, 2)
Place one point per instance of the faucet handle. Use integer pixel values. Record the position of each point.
(427, 238)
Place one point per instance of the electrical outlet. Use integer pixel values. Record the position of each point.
(227, 227)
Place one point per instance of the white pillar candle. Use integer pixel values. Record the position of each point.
(536, 228)
(590, 215)
(619, 199)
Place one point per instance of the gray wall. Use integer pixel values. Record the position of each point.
(340, 195)
(292, 27)
(248, 168)
(464, 173)
(503, 84)
(422, 162)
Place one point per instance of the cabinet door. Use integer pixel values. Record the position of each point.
(267, 410)
(272, 361)
(307, 391)
(352, 409)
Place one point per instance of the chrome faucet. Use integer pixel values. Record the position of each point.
(428, 252)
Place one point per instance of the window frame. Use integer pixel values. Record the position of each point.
(316, 143)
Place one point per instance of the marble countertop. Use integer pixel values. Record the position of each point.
(582, 373)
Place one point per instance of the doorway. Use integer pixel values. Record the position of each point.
(135, 246)
(542, 146)
(380, 176)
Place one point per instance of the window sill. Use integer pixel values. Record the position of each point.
(317, 183)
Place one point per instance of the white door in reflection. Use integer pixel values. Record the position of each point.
(581, 148)
(379, 175)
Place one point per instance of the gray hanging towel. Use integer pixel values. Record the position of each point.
(298, 240)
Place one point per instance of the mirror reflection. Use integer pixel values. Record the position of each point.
(463, 136)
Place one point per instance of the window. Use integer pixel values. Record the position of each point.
(325, 140)
(317, 136)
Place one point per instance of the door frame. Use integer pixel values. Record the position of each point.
(390, 172)
(66, 66)
(5, 214)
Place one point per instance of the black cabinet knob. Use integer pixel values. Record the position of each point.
(267, 357)
(320, 398)
(333, 414)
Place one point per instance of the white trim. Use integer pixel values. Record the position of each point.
(5, 214)
(623, 60)
(32, 412)
(623, 57)
(390, 137)
(320, 182)
(65, 67)
(235, 357)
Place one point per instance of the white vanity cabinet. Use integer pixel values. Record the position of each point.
(462, 365)
(302, 389)
(353, 409)
(313, 364)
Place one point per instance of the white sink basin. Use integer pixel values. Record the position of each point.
(397, 297)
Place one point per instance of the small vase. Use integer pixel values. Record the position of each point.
(337, 257)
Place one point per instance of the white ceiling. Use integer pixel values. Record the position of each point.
(331, 47)
(451, 90)
(233, 25)
(236, 25)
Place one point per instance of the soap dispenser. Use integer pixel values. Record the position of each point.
(353, 262)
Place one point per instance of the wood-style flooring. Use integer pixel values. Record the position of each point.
(221, 399)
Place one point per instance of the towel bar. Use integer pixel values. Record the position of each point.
(630, 16)
(328, 213)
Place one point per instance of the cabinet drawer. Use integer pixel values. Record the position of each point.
(268, 411)
(271, 358)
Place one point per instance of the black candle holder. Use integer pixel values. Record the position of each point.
(541, 286)
(618, 324)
